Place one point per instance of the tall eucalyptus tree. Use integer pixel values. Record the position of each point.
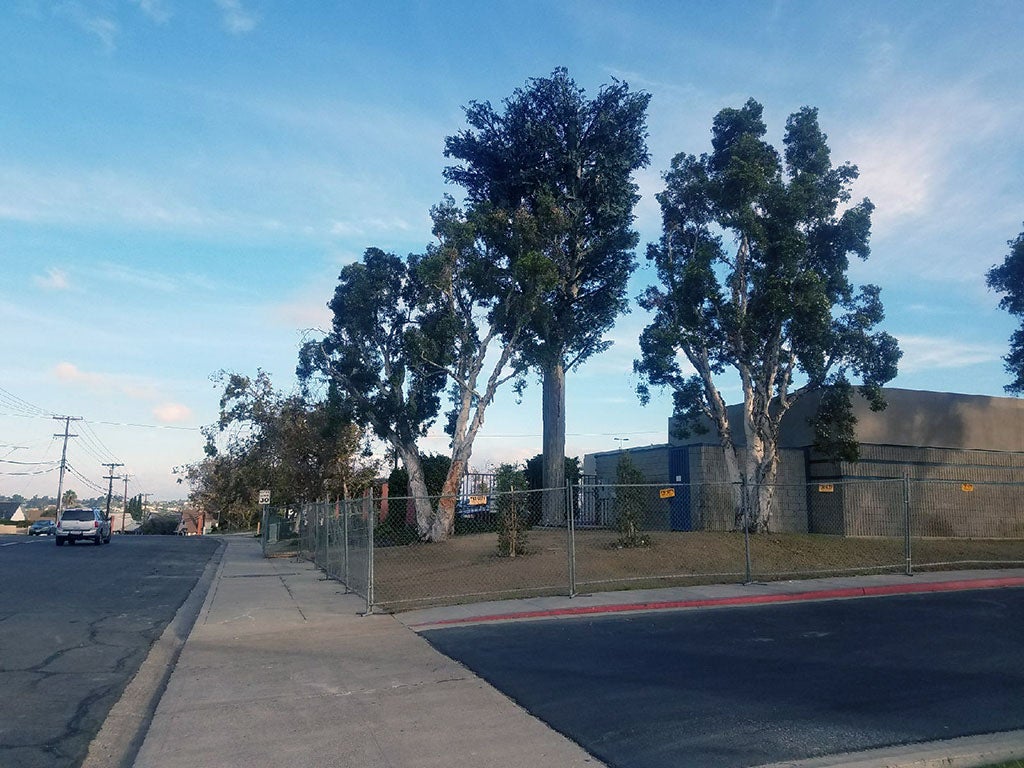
(566, 162)
(752, 265)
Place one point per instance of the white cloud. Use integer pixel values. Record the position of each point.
(138, 278)
(71, 372)
(927, 353)
(54, 280)
(306, 311)
(104, 29)
(104, 383)
(172, 413)
(908, 152)
(92, 196)
(370, 226)
(157, 10)
(237, 19)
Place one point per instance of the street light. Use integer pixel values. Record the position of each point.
(620, 441)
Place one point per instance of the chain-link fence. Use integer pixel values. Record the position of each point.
(593, 537)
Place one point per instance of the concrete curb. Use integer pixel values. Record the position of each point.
(965, 752)
(821, 594)
(125, 727)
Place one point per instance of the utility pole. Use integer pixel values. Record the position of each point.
(111, 477)
(145, 502)
(124, 509)
(63, 458)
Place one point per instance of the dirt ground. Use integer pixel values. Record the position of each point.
(467, 568)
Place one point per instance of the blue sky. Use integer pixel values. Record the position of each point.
(182, 180)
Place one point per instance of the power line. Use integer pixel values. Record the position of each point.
(90, 483)
(23, 407)
(93, 437)
(25, 474)
(147, 426)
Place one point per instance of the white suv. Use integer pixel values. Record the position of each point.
(82, 523)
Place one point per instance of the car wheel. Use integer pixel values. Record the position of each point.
(60, 542)
(99, 539)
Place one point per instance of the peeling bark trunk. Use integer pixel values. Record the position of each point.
(418, 488)
(442, 523)
(553, 409)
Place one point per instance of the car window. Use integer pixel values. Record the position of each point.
(77, 514)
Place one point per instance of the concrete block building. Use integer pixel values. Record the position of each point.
(962, 457)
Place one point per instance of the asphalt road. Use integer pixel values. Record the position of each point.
(740, 687)
(75, 624)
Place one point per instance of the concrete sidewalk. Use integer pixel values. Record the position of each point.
(280, 669)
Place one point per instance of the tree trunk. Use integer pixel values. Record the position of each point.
(443, 522)
(418, 488)
(554, 443)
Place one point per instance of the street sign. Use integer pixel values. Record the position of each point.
(667, 493)
(264, 497)
(826, 488)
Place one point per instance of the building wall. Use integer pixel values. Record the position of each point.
(943, 442)
(868, 496)
(715, 499)
(911, 418)
(652, 462)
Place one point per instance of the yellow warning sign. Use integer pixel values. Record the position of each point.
(966, 487)
(477, 501)
(667, 493)
(826, 488)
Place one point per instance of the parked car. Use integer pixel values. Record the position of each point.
(81, 524)
(42, 528)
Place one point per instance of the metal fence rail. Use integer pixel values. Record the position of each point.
(593, 537)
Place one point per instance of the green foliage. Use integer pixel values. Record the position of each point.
(435, 470)
(376, 355)
(161, 525)
(535, 471)
(135, 507)
(834, 423)
(300, 451)
(556, 168)
(752, 266)
(513, 510)
(630, 503)
(69, 499)
(1008, 279)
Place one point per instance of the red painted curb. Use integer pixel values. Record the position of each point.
(824, 594)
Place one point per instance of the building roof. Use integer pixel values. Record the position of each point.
(912, 417)
(8, 509)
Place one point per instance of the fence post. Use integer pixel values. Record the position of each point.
(746, 530)
(906, 523)
(326, 506)
(370, 520)
(344, 526)
(570, 527)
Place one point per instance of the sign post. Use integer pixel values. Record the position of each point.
(264, 502)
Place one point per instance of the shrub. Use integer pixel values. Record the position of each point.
(513, 510)
(166, 525)
(630, 503)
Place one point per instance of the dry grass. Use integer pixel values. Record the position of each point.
(467, 568)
